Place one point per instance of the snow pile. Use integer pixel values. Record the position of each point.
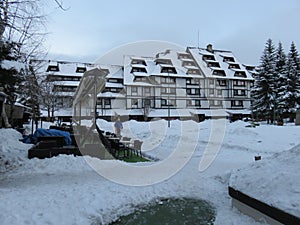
(273, 180)
(13, 153)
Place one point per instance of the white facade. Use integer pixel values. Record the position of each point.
(196, 80)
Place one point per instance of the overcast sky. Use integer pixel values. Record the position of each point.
(90, 28)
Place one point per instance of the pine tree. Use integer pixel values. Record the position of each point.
(279, 79)
(10, 77)
(263, 90)
(292, 82)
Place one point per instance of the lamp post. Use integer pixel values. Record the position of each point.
(169, 99)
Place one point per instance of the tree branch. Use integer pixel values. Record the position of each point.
(60, 5)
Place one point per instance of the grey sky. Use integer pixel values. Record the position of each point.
(91, 28)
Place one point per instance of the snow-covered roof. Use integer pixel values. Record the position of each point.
(65, 93)
(67, 83)
(7, 64)
(110, 95)
(173, 113)
(113, 85)
(155, 69)
(219, 57)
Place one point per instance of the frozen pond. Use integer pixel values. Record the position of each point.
(171, 211)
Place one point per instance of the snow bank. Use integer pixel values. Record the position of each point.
(274, 180)
(66, 190)
(13, 153)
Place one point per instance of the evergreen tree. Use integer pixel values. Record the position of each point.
(263, 93)
(279, 79)
(292, 82)
(10, 76)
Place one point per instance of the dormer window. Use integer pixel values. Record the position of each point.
(208, 57)
(140, 79)
(219, 73)
(228, 59)
(80, 69)
(213, 64)
(52, 68)
(168, 70)
(163, 61)
(193, 71)
(138, 61)
(234, 66)
(188, 63)
(184, 56)
(240, 74)
(138, 69)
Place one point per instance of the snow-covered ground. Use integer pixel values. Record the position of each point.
(69, 190)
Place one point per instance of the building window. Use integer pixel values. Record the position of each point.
(80, 69)
(240, 74)
(52, 69)
(240, 83)
(211, 82)
(228, 59)
(172, 102)
(191, 102)
(213, 64)
(193, 91)
(219, 73)
(215, 103)
(208, 57)
(192, 81)
(147, 90)
(193, 71)
(219, 92)
(115, 90)
(168, 90)
(237, 103)
(138, 61)
(134, 90)
(113, 80)
(163, 61)
(134, 104)
(234, 66)
(168, 80)
(163, 102)
(184, 56)
(168, 70)
(140, 79)
(189, 63)
(211, 91)
(239, 92)
(107, 103)
(138, 69)
(222, 82)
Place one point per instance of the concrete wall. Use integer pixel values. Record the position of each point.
(297, 122)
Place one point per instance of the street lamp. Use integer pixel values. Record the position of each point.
(169, 99)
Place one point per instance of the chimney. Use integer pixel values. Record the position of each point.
(209, 48)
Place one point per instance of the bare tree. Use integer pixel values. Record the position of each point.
(49, 93)
(23, 23)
